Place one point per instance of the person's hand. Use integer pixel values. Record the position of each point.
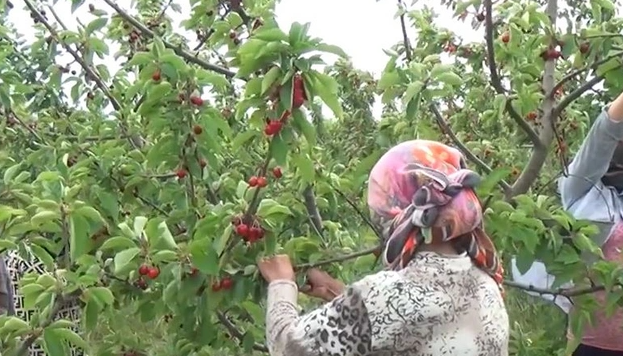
(276, 268)
(321, 285)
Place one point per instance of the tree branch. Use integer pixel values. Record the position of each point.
(182, 53)
(312, 209)
(343, 258)
(90, 72)
(360, 213)
(495, 78)
(562, 105)
(548, 120)
(25, 345)
(466, 151)
(233, 330)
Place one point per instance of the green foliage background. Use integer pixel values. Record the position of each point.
(109, 168)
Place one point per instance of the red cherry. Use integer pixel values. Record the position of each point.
(531, 116)
(253, 181)
(584, 47)
(256, 233)
(156, 76)
(273, 127)
(226, 283)
(197, 129)
(262, 182)
(143, 270)
(141, 284)
(195, 100)
(203, 163)
(506, 37)
(181, 173)
(277, 172)
(153, 273)
(242, 230)
(232, 35)
(194, 271)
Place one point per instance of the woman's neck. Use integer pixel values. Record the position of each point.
(442, 249)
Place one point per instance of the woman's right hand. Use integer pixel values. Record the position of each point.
(321, 285)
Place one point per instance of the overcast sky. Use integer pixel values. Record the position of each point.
(363, 28)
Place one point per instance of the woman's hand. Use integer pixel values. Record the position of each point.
(276, 268)
(321, 285)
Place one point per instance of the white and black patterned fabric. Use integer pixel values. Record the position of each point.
(436, 306)
(17, 268)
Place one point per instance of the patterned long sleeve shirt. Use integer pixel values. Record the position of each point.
(438, 305)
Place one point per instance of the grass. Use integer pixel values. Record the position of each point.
(538, 328)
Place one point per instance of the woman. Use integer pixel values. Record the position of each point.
(18, 267)
(593, 191)
(441, 294)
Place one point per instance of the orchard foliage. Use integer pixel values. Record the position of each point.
(150, 192)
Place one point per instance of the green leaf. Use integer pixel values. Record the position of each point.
(90, 213)
(96, 25)
(305, 127)
(102, 294)
(327, 89)
(10, 173)
(270, 78)
(53, 342)
(72, 337)
(305, 167)
(44, 217)
(79, 241)
(270, 207)
(204, 257)
(124, 258)
(75, 4)
(298, 32)
(323, 47)
(219, 81)
(450, 78)
(141, 58)
(43, 255)
(91, 314)
(159, 236)
(274, 34)
(412, 90)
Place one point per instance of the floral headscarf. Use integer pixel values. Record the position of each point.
(420, 192)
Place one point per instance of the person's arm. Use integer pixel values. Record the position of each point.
(593, 158)
(6, 295)
(327, 330)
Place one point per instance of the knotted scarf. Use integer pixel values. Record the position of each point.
(421, 193)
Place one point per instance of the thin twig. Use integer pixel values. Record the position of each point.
(233, 330)
(359, 212)
(343, 258)
(312, 209)
(445, 127)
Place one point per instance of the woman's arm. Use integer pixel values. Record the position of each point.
(328, 330)
(593, 158)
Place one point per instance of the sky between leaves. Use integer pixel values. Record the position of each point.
(363, 28)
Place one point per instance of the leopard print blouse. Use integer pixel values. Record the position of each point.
(438, 305)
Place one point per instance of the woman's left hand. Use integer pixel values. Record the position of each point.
(276, 268)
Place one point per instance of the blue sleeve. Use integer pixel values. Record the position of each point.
(592, 160)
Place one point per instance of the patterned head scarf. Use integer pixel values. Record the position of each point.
(420, 192)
